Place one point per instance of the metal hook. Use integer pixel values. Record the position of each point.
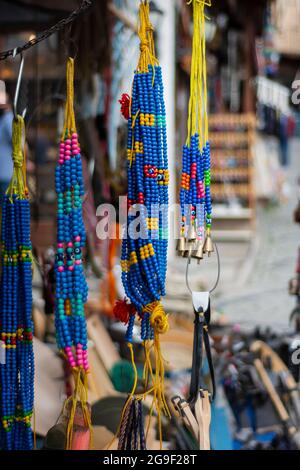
(218, 274)
(17, 92)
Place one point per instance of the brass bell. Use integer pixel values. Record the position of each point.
(189, 245)
(198, 251)
(191, 235)
(181, 246)
(208, 245)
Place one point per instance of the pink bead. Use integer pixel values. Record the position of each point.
(60, 269)
(61, 161)
(79, 346)
(62, 146)
(68, 141)
(67, 157)
(72, 363)
(77, 238)
(67, 153)
(68, 348)
(74, 135)
(75, 151)
(71, 268)
(60, 245)
(78, 262)
(68, 147)
(70, 245)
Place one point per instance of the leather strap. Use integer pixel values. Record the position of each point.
(201, 336)
(196, 411)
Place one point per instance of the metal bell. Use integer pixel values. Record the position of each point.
(189, 246)
(208, 245)
(191, 235)
(181, 246)
(198, 251)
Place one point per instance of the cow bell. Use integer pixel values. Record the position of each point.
(208, 245)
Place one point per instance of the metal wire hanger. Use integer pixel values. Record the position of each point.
(218, 272)
(17, 91)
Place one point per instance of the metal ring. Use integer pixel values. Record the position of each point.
(218, 273)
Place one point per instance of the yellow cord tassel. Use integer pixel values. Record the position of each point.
(69, 122)
(18, 184)
(160, 324)
(79, 396)
(145, 31)
(197, 113)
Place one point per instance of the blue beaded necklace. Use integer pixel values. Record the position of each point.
(144, 254)
(71, 286)
(16, 326)
(195, 195)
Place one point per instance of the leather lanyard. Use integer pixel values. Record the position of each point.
(201, 337)
(196, 411)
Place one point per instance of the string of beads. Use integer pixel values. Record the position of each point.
(71, 286)
(195, 194)
(16, 325)
(144, 254)
(145, 242)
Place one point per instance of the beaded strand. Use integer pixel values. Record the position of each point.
(16, 325)
(144, 257)
(195, 194)
(71, 286)
(145, 244)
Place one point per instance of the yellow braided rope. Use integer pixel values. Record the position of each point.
(145, 32)
(69, 121)
(80, 395)
(18, 184)
(197, 109)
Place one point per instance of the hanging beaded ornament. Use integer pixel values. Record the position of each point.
(71, 286)
(16, 326)
(144, 254)
(195, 195)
